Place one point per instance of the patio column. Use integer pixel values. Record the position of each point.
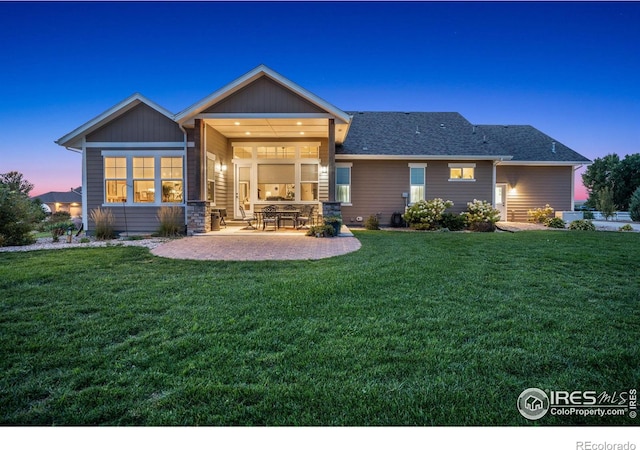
(331, 166)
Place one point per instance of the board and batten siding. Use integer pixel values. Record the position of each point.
(140, 124)
(264, 96)
(530, 187)
(377, 187)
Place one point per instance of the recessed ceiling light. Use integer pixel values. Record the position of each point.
(248, 133)
(299, 123)
(236, 123)
(302, 132)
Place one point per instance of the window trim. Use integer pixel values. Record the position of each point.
(463, 166)
(350, 167)
(422, 166)
(157, 180)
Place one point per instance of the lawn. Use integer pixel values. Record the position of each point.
(412, 329)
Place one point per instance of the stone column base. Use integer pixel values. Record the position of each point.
(198, 217)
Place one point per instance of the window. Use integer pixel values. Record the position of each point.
(211, 177)
(309, 182)
(143, 183)
(462, 172)
(135, 179)
(171, 175)
(343, 183)
(417, 182)
(115, 179)
(276, 182)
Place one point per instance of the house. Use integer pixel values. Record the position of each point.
(263, 139)
(69, 201)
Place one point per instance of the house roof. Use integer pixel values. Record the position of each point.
(60, 197)
(527, 143)
(74, 138)
(449, 135)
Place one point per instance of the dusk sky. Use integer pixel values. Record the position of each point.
(572, 70)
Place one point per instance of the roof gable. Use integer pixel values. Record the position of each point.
(221, 99)
(74, 138)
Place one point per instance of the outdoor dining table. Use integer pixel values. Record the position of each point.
(280, 213)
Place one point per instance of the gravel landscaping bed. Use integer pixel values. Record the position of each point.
(48, 244)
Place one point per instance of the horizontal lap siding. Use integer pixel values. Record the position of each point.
(535, 186)
(216, 143)
(377, 187)
(139, 218)
(459, 192)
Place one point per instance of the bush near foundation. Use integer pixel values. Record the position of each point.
(582, 225)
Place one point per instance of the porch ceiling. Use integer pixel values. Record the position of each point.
(301, 128)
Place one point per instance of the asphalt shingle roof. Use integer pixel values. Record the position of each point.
(60, 197)
(447, 134)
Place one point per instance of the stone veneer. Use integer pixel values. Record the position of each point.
(198, 217)
(331, 209)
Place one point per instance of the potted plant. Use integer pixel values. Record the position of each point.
(335, 222)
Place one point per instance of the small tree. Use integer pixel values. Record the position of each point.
(605, 204)
(634, 205)
(18, 213)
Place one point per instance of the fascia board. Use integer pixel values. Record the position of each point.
(343, 156)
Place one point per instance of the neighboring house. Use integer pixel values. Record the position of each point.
(69, 201)
(263, 139)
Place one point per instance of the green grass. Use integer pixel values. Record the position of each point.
(413, 329)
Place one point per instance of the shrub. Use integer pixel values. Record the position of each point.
(171, 220)
(481, 216)
(60, 216)
(588, 215)
(625, 227)
(605, 204)
(372, 223)
(583, 225)
(426, 215)
(321, 231)
(634, 205)
(58, 229)
(555, 222)
(105, 222)
(540, 215)
(84, 240)
(453, 222)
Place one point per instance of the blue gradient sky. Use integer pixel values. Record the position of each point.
(571, 70)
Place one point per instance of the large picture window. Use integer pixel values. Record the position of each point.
(276, 182)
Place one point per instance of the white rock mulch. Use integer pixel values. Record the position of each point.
(48, 244)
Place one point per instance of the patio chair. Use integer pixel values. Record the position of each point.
(306, 217)
(290, 213)
(270, 216)
(248, 219)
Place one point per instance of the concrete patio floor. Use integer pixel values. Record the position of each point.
(240, 244)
